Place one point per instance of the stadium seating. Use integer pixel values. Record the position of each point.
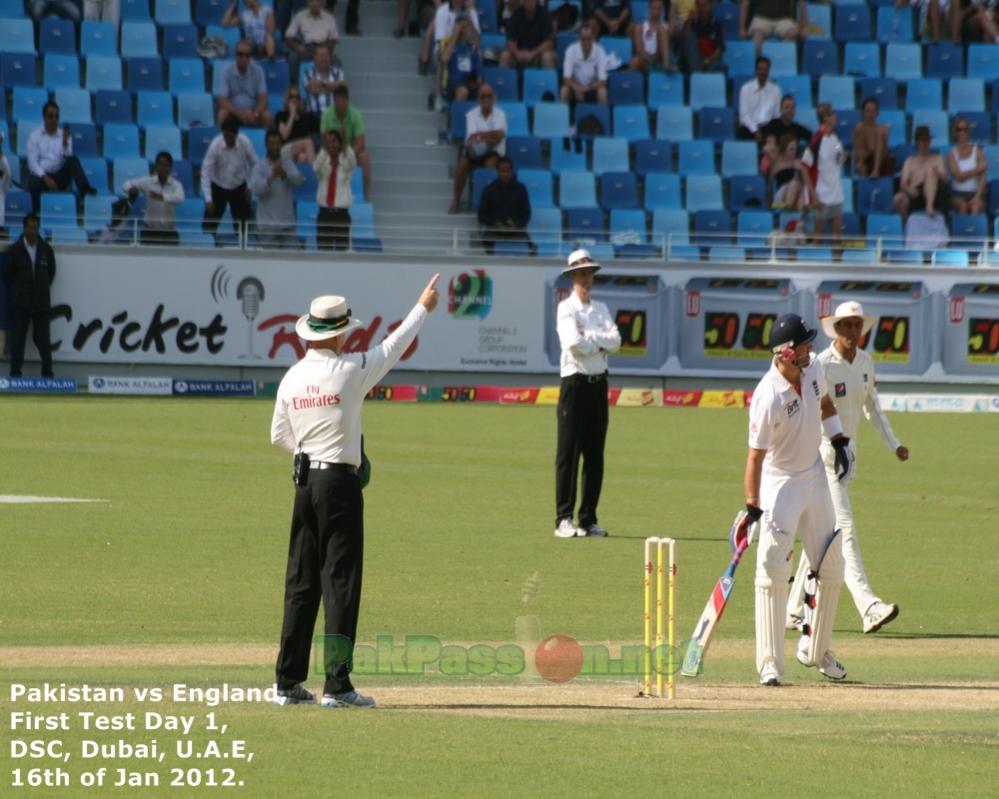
(538, 183)
(524, 151)
(652, 155)
(56, 36)
(662, 190)
(631, 122)
(599, 112)
(17, 36)
(577, 190)
(626, 88)
(665, 89)
(610, 155)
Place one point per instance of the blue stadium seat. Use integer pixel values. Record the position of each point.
(885, 226)
(838, 91)
(618, 190)
(154, 108)
(884, 90)
(84, 139)
(504, 83)
(516, 119)
(180, 41)
(968, 230)
(626, 88)
(627, 228)
(631, 122)
(113, 106)
(851, 224)
(924, 94)
(874, 196)
(210, 12)
(488, 14)
(704, 193)
(138, 39)
(307, 190)
(96, 170)
(27, 106)
(799, 86)
(198, 140)
(716, 124)
(903, 61)
(17, 69)
(481, 178)
(639, 10)
(819, 57)
(69, 234)
(194, 109)
(170, 12)
(619, 45)
(852, 23)
(230, 36)
(739, 158)
(16, 205)
(524, 151)
(912, 257)
(545, 230)
(696, 157)
(538, 183)
(577, 190)
(846, 121)
(894, 24)
(98, 38)
(121, 141)
(127, 169)
(133, 10)
(97, 211)
(852, 255)
(671, 230)
(665, 88)
(938, 124)
(819, 21)
(707, 89)
(599, 112)
(610, 155)
(712, 227)
(983, 61)
(166, 137)
(61, 72)
(754, 227)
(74, 106)
(257, 140)
(727, 14)
(747, 191)
(897, 123)
(551, 120)
(187, 75)
(144, 74)
(277, 75)
(783, 57)
(538, 83)
(662, 190)
(965, 94)
(57, 210)
(103, 72)
(980, 123)
(739, 58)
(652, 155)
(949, 258)
(57, 36)
(862, 59)
(944, 60)
(362, 229)
(674, 123)
(17, 36)
(566, 156)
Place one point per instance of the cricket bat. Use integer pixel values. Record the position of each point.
(693, 660)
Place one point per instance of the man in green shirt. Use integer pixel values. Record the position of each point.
(343, 117)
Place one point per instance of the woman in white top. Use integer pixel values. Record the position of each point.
(968, 171)
(257, 22)
(650, 39)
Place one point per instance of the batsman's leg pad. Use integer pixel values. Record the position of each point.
(794, 599)
(821, 600)
(771, 600)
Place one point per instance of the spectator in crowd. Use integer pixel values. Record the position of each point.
(485, 141)
(871, 156)
(334, 166)
(924, 179)
(6, 180)
(504, 208)
(787, 177)
(973, 21)
(782, 125)
(929, 12)
(309, 27)
(584, 71)
(343, 117)
(297, 127)
(772, 18)
(51, 162)
(530, 38)
(224, 173)
(257, 24)
(703, 39)
(968, 172)
(102, 11)
(320, 81)
(28, 272)
(272, 181)
(163, 194)
(759, 102)
(650, 41)
(612, 17)
(824, 158)
(424, 17)
(439, 33)
(244, 90)
(67, 9)
(463, 72)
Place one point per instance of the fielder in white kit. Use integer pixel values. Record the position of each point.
(786, 491)
(849, 373)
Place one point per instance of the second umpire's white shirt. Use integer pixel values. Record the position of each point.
(586, 333)
(788, 426)
(318, 407)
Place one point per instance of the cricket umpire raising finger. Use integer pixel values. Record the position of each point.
(317, 416)
(586, 333)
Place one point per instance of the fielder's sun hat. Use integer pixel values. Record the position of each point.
(790, 330)
(846, 310)
(328, 317)
(580, 259)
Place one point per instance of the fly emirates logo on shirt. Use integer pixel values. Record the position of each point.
(314, 398)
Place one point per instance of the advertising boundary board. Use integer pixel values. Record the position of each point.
(238, 308)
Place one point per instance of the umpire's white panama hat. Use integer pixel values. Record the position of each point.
(580, 259)
(846, 310)
(328, 317)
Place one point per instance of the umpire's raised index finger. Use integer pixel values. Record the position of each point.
(433, 281)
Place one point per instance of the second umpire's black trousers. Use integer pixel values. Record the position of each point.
(582, 431)
(325, 556)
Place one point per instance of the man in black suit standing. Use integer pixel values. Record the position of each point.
(28, 272)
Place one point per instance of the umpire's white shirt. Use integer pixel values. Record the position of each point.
(586, 333)
(318, 408)
(788, 426)
(853, 392)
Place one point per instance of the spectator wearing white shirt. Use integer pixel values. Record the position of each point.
(485, 142)
(334, 167)
(163, 194)
(244, 90)
(257, 23)
(224, 173)
(51, 162)
(584, 71)
(309, 27)
(824, 158)
(759, 102)
(272, 181)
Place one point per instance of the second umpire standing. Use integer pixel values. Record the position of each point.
(586, 333)
(317, 416)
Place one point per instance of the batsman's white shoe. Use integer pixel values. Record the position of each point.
(878, 615)
(595, 531)
(769, 676)
(294, 696)
(829, 667)
(793, 622)
(354, 699)
(566, 529)
(330, 702)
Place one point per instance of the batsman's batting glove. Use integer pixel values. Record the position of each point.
(745, 526)
(844, 458)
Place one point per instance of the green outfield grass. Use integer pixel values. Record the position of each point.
(177, 577)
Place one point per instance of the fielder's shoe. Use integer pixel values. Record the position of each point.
(794, 621)
(770, 676)
(566, 529)
(331, 702)
(829, 667)
(595, 531)
(878, 615)
(353, 699)
(294, 696)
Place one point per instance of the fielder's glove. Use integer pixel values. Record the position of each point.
(844, 458)
(745, 527)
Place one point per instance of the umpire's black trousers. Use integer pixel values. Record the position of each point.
(21, 319)
(582, 430)
(324, 562)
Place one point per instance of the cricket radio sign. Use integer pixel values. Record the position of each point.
(470, 295)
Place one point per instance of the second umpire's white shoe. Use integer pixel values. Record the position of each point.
(566, 529)
(828, 667)
(878, 615)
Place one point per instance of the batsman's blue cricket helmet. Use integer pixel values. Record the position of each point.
(790, 330)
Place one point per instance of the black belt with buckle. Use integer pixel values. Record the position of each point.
(589, 378)
(349, 468)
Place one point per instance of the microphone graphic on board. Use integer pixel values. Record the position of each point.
(250, 292)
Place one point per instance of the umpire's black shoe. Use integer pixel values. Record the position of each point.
(294, 696)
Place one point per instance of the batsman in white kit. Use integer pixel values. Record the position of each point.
(786, 492)
(849, 373)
